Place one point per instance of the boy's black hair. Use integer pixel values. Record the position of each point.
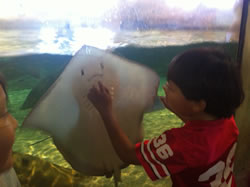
(210, 75)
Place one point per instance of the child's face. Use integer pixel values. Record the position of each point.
(177, 102)
(5, 117)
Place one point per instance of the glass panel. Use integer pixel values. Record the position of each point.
(38, 39)
(40, 27)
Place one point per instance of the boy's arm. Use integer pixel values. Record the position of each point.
(120, 141)
(102, 100)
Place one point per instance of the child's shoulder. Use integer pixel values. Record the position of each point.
(204, 133)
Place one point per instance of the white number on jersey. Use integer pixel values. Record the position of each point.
(222, 170)
(163, 150)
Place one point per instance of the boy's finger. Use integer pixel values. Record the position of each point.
(101, 87)
(164, 88)
(90, 95)
(94, 89)
(106, 90)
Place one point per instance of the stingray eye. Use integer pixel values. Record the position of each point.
(82, 72)
(102, 66)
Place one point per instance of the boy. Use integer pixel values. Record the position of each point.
(204, 89)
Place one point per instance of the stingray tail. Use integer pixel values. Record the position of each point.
(117, 176)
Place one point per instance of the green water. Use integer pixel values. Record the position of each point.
(30, 76)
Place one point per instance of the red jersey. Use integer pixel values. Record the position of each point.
(199, 154)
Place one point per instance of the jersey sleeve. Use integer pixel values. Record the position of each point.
(161, 156)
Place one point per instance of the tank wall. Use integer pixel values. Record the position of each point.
(242, 165)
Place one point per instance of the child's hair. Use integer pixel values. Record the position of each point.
(209, 75)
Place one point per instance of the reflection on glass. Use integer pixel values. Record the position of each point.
(114, 22)
(67, 40)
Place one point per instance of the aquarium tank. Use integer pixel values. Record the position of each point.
(38, 39)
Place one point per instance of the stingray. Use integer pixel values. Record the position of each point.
(76, 127)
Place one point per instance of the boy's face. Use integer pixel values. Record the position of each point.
(177, 102)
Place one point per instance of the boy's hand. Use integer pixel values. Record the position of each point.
(100, 98)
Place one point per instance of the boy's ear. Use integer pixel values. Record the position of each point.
(199, 106)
